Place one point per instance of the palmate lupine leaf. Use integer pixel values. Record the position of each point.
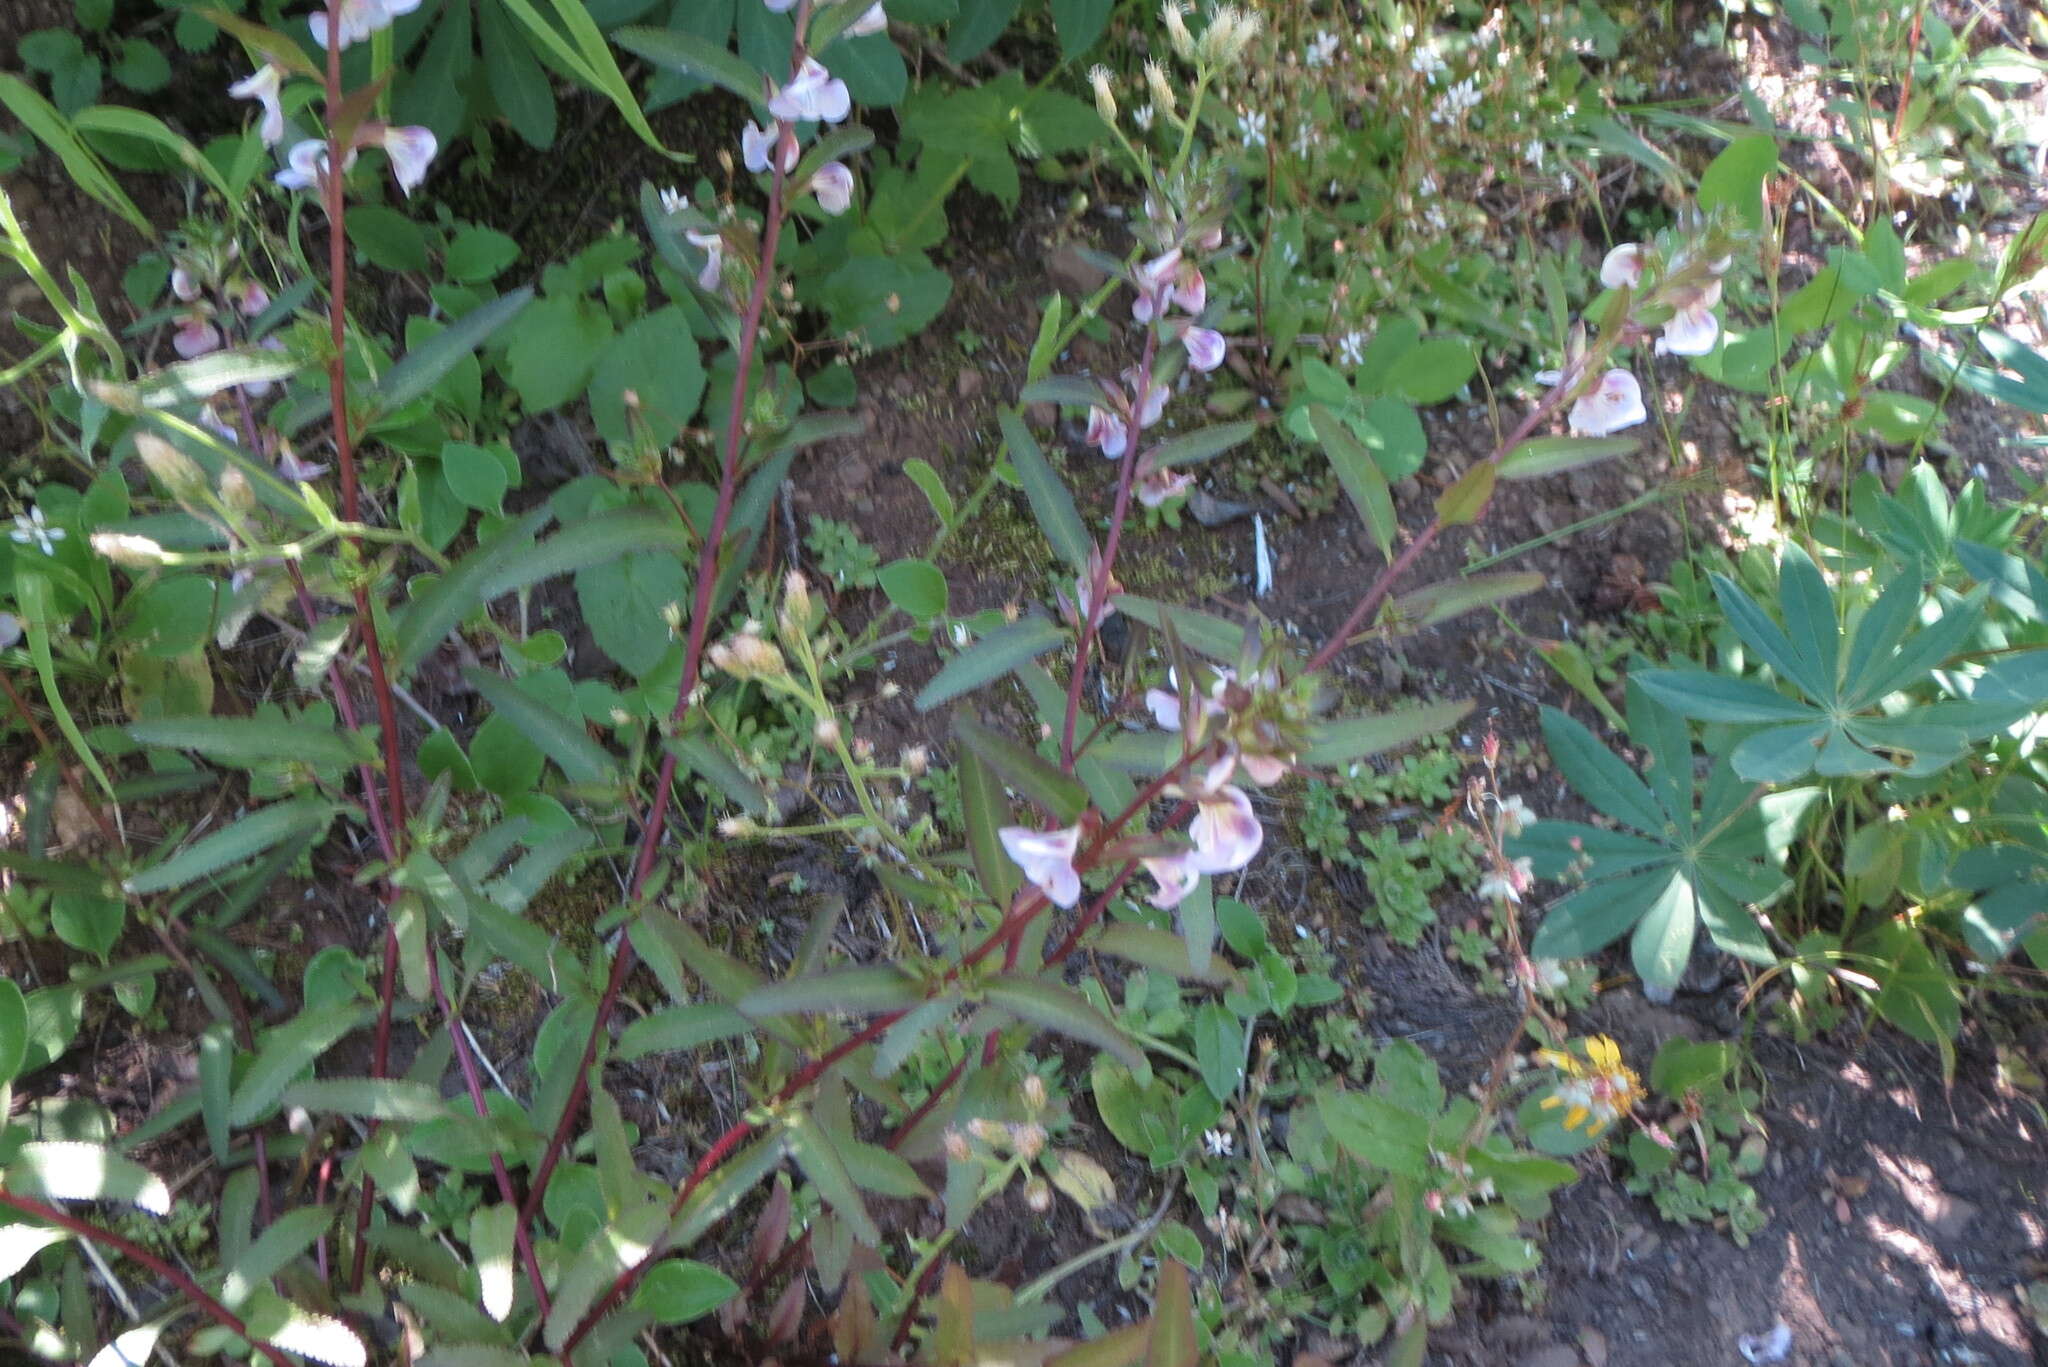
(1679, 860)
(1836, 725)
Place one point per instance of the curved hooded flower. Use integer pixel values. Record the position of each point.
(875, 20)
(1694, 330)
(263, 87)
(713, 247)
(359, 19)
(1047, 858)
(196, 335)
(833, 185)
(1106, 431)
(1156, 486)
(813, 95)
(1226, 831)
(1623, 267)
(1205, 347)
(1175, 876)
(411, 149)
(183, 285)
(1614, 403)
(758, 144)
(307, 162)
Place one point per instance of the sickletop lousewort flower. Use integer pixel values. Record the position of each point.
(359, 19)
(757, 144)
(1047, 858)
(833, 185)
(1155, 486)
(1598, 1088)
(1612, 404)
(1694, 329)
(713, 246)
(1176, 876)
(196, 335)
(813, 95)
(1622, 268)
(31, 530)
(263, 88)
(411, 149)
(307, 162)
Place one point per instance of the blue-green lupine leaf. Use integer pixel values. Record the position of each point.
(1883, 625)
(1841, 757)
(1667, 745)
(1725, 888)
(1663, 939)
(1598, 776)
(1930, 747)
(2016, 584)
(1703, 696)
(1780, 754)
(1596, 916)
(1810, 623)
(1765, 637)
(2020, 680)
(1923, 653)
(1554, 846)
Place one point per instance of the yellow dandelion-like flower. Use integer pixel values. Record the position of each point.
(1597, 1088)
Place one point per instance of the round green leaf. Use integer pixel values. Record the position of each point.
(13, 1030)
(142, 67)
(475, 474)
(655, 358)
(477, 254)
(916, 586)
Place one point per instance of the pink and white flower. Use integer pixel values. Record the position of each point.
(250, 297)
(411, 148)
(359, 19)
(1106, 431)
(875, 20)
(813, 95)
(306, 163)
(1206, 347)
(758, 144)
(1156, 486)
(1226, 831)
(713, 247)
(183, 285)
(1623, 267)
(1694, 330)
(1047, 858)
(196, 335)
(1176, 877)
(1612, 404)
(263, 87)
(833, 185)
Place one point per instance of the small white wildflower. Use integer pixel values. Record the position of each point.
(1322, 49)
(1251, 126)
(1142, 116)
(1425, 62)
(1219, 1143)
(30, 529)
(1351, 348)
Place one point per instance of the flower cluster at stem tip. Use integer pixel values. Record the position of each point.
(1596, 1089)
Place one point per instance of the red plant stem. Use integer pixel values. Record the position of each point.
(656, 818)
(466, 1058)
(331, 192)
(85, 1229)
(1906, 86)
(1098, 588)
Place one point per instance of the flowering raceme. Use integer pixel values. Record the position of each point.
(1047, 858)
(813, 95)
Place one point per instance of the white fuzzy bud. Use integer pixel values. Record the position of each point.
(1105, 98)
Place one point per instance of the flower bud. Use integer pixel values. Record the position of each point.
(826, 732)
(181, 478)
(129, 552)
(235, 491)
(863, 749)
(747, 656)
(1038, 1195)
(1034, 1092)
(1027, 1140)
(957, 1147)
(984, 1130)
(1105, 98)
(1160, 88)
(1177, 30)
(737, 827)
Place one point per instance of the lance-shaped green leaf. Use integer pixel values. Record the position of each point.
(1363, 480)
(815, 1153)
(677, 1028)
(1110, 786)
(1047, 494)
(1192, 448)
(1542, 456)
(1072, 391)
(987, 811)
(420, 369)
(988, 659)
(253, 740)
(462, 589)
(286, 1237)
(561, 738)
(1058, 1008)
(681, 51)
(1203, 632)
(1688, 859)
(287, 1051)
(1434, 603)
(61, 1171)
(245, 839)
(196, 380)
(875, 987)
(371, 1098)
(1037, 779)
(19, 1243)
(1348, 738)
(1162, 951)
